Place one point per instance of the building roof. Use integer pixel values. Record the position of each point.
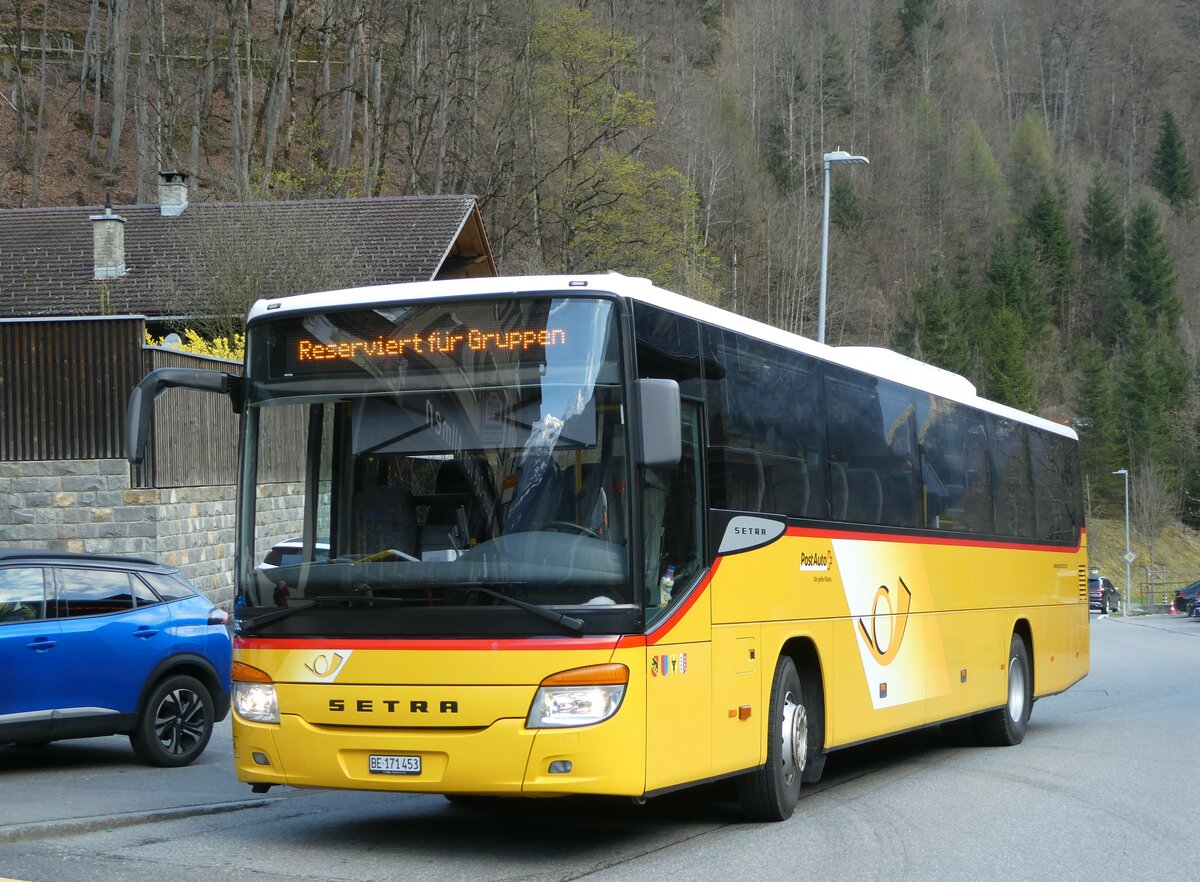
(47, 269)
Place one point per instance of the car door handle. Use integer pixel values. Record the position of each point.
(145, 633)
(42, 645)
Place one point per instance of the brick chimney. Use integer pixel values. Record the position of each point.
(172, 193)
(108, 242)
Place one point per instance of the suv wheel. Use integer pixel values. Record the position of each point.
(175, 724)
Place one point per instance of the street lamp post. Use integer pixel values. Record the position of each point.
(1129, 555)
(837, 156)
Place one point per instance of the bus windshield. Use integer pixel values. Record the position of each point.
(437, 468)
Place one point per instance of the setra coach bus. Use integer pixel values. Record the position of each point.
(579, 534)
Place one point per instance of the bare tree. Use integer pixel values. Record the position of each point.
(35, 178)
(233, 255)
(1153, 502)
(120, 26)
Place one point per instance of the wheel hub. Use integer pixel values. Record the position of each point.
(795, 738)
(1016, 690)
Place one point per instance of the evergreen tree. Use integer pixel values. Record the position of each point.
(1149, 269)
(935, 330)
(985, 192)
(1171, 170)
(1011, 282)
(1099, 431)
(1103, 247)
(1046, 223)
(1151, 380)
(1103, 224)
(1007, 375)
(1030, 159)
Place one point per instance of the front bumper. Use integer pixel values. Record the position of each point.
(504, 758)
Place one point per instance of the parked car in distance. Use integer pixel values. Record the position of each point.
(103, 645)
(289, 553)
(1103, 594)
(1183, 595)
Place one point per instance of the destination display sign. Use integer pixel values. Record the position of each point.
(428, 337)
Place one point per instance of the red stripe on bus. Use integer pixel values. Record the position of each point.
(423, 645)
(660, 634)
(863, 536)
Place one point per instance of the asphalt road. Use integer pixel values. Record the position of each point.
(1102, 788)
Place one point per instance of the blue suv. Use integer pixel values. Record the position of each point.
(98, 645)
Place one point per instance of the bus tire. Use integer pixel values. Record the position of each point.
(770, 793)
(1005, 726)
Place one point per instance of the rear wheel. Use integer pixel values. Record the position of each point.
(795, 735)
(1006, 726)
(175, 724)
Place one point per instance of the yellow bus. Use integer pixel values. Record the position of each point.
(582, 535)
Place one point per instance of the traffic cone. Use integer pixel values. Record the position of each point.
(1171, 608)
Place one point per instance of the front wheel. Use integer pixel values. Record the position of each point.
(1006, 726)
(793, 726)
(175, 724)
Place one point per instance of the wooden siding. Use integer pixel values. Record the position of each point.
(193, 435)
(64, 392)
(64, 385)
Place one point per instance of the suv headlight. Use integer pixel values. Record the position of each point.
(578, 697)
(254, 694)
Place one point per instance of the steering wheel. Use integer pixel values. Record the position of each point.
(571, 526)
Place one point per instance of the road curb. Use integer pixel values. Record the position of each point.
(71, 826)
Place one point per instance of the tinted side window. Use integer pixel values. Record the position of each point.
(22, 594)
(168, 587)
(766, 428)
(668, 347)
(1055, 485)
(954, 466)
(1011, 484)
(872, 449)
(83, 592)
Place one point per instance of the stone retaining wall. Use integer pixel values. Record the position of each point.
(88, 506)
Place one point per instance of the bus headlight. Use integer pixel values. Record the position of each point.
(254, 694)
(578, 697)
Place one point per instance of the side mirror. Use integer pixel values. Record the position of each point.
(154, 384)
(658, 402)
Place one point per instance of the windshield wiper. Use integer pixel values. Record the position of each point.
(242, 626)
(569, 622)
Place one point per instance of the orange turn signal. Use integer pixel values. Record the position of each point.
(246, 674)
(592, 675)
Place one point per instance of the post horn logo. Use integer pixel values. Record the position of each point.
(326, 664)
(883, 630)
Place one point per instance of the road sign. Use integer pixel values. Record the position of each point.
(1130, 557)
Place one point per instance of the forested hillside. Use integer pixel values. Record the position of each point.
(1027, 218)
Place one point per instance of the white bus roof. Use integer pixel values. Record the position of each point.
(868, 359)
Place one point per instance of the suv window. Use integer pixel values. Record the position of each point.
(142, 593)
(22, 594)
(168, 587)
(92, 592)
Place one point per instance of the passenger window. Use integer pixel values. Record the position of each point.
(92, 592)
(1054, 465)
(872, 449)
(22, 594)
(956, 478)
(1011, 482)
(142, 595)
(168, 587)
(674, 524)
(766, 428)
